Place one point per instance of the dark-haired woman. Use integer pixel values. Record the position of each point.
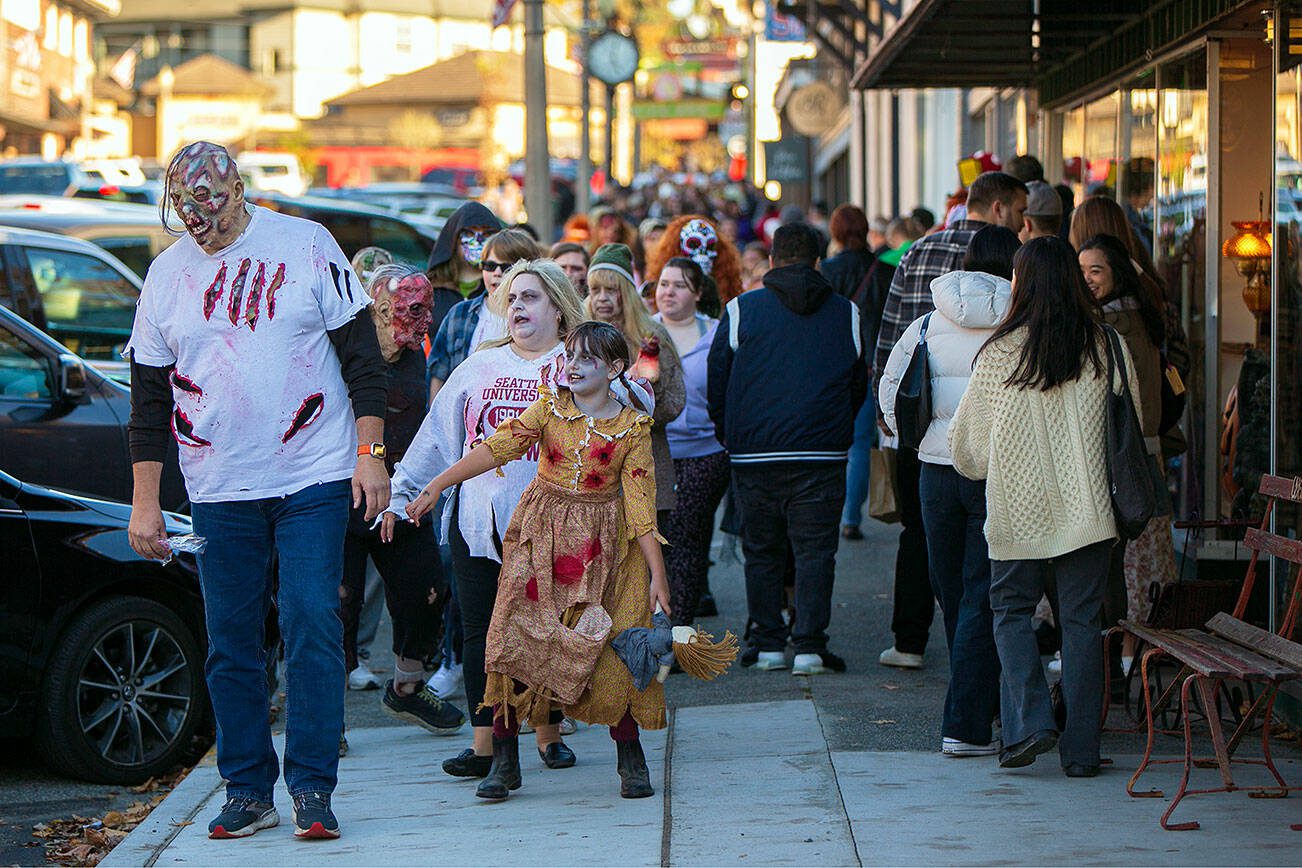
(1130, 308)
(1031, 424)
(700, 463)
(969, 305)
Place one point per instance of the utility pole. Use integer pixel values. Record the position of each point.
(537, 156)
(610, 133)
(583, 179)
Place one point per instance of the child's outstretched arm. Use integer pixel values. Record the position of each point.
(478, 460)
(650, 546)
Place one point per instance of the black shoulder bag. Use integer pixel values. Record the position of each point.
(1130, 481)
(913, 400)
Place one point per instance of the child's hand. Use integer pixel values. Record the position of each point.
(424, 502)
(387, 522)
(660, 594)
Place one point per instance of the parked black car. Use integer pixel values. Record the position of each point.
(64, 424)
(101, 651)
(355, 225)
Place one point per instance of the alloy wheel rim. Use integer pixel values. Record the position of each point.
(134, 693)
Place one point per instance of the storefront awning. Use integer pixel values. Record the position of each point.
(1057, 46)
(986, 43)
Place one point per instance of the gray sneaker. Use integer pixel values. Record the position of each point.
(241, 817)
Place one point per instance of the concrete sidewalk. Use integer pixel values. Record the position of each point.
(748, 784)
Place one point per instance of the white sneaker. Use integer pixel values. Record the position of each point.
(446, 681)
(955, 748)
(568, 726)
(362, 678)
(1055, 665)
(817, 664)
(900, 660)
(770, 660)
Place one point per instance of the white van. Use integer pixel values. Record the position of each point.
(272, 172)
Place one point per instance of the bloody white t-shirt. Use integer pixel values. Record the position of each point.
(260, 406)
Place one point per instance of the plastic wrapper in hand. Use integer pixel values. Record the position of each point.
(189, 543)
(645, 649)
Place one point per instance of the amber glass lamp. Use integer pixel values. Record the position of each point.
(1249, 247)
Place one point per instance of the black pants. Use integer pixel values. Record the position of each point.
(790, 509)
(701, 485)
(915, 604)
(476, 595)
(414, 586)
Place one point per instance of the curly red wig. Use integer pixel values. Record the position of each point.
(727, 262)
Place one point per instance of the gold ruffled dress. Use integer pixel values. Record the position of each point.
(572, 545)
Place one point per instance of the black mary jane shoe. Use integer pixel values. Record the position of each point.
(468, 764)
(557, 755)
(706, 607)
(504, 776)
(634, 777)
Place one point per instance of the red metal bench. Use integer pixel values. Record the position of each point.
(1228, 650)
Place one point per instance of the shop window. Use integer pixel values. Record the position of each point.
(1101, 146)
(1287, 309)
(1137, 158)
(1073, 151)
(1179, 250)
(51, 35)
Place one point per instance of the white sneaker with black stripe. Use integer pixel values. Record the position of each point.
(955, 748)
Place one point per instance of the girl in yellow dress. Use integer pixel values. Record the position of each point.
(574, 563)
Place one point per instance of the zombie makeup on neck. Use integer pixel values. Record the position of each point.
(205, 191)
(699, 242)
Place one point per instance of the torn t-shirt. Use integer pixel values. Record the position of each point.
(260, 407)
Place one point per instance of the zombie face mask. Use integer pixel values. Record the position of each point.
(699, 243)
(472, 245)
(402, 312)
(205, 191)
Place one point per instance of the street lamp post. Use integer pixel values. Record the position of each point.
(583, 180)
(537, 157)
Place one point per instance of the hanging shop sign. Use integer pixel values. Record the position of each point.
(813, 108)
(787, 160)
(707, 109)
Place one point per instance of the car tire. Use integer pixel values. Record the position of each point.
(124, 693)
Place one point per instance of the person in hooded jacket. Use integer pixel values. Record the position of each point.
(970, 304)
(453, 267)
(787, 375)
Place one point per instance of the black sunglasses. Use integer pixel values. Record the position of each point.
(490, 265)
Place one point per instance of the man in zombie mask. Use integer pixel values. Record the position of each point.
(252, 345)
(414, 586)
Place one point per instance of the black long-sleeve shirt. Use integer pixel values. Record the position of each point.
(360, 363)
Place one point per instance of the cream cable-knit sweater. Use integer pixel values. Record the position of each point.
(1042, 455)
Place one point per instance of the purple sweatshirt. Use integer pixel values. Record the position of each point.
(691, 435)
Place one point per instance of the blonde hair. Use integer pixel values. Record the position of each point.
(635, 323)
(558, 289)
(509, 246)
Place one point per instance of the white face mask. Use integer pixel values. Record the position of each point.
(699, 242)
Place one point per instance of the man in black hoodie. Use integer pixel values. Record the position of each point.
(787, 376)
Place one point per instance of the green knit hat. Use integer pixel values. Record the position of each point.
(614, 257)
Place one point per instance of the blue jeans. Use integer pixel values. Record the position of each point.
(306, 531)
(856, 469)
(954, 515)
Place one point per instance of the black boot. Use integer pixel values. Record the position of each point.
(634, 778)
(504, 774)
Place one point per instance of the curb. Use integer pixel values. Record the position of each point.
(148, 840)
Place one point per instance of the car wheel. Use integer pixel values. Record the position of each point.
(124, 692)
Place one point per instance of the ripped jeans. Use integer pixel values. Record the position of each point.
(414, 588)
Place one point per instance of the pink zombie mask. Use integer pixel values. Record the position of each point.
(205, 191)
(403, 310)
(699, 243)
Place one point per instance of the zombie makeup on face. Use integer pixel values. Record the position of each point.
(472, 244)
(699, 242)
(412, 300)
(205, 191)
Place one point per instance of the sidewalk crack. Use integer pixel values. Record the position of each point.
(849, 826)
(666, 832)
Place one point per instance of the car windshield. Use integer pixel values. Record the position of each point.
(44, 180)
(135, 252)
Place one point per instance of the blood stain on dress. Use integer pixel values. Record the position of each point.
(531, 588)
(307, 413)
(237, 291)
(214, 292)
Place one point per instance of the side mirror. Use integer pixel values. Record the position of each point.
(72, 378)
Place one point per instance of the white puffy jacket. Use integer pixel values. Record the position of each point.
(969, 305)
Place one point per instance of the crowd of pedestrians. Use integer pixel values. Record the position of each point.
(554, 415)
